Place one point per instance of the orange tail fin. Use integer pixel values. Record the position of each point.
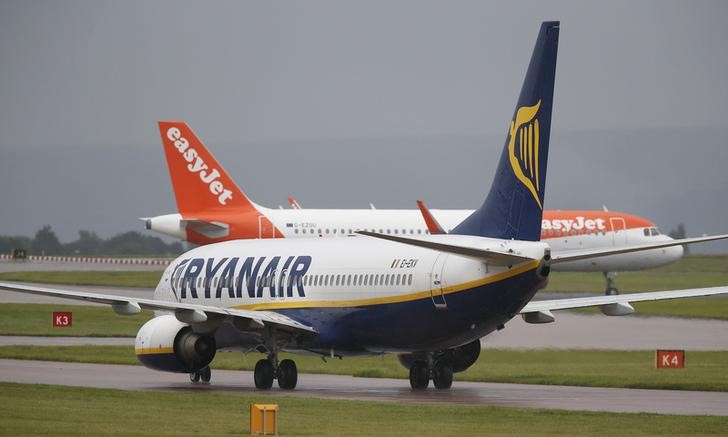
(199, 182)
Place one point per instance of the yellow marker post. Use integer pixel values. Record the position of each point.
(264, 419)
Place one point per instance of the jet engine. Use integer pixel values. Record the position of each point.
(460, 357)
(164, 343)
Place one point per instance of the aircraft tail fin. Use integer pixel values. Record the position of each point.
(199, 182)
(514, 206)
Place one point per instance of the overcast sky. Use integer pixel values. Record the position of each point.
(345, 103)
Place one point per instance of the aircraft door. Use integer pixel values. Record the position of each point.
(619, 231)
(436, 282)
(265, 227)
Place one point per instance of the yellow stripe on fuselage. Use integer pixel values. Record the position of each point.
(390, 299)
(154, 350)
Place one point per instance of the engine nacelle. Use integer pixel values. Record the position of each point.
(460, 357)
(164, 343)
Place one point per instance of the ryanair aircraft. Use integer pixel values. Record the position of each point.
(428, 298)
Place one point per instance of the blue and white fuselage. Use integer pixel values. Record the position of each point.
(370, 297)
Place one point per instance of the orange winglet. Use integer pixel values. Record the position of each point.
(293, 203)
(432, 225)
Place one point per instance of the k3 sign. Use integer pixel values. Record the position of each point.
(62, 319)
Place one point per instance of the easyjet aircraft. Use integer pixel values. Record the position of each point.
(429, 298)
(212, 208)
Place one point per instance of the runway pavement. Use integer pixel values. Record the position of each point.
(137, 378)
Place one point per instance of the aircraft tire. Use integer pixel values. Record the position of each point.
(263, 374)
(205, 374)
(195, 377)
(442, 376)
(287, 375)
(419, 375)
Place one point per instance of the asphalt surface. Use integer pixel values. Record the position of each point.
(137, 378)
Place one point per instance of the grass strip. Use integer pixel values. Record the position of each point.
(140, 278)
(89, 411)
(88, 321)
(705, 370)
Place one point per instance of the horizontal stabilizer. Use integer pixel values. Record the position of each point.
(211, 230)
(576, 255)
(492, 256)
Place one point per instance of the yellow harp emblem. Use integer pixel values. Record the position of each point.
(524, 158)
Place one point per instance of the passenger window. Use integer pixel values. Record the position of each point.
(376, 280)
(395, 231)
(327, 231)
(365, 279)
(419, 231)
(398, 278)
(386, 280)
(409, 282)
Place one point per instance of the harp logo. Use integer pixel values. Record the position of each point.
(523, 148)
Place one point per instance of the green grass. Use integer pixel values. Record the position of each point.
(693, 271)
(145, 279)
(91, 411)
(88, 321)
(706, 371)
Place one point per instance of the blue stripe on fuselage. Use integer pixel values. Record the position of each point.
(417, 325)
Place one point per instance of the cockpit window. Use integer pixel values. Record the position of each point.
(655, 231)
(647, 232)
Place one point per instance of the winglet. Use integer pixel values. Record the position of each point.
(293, 203)
(432, 224)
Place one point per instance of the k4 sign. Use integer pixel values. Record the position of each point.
(670, 359)
(62, 319)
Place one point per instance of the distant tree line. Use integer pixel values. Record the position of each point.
(46, 242)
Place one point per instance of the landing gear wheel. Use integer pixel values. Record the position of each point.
(287, 375)
(263, 374)
(205, 374)
(611, 286)
(419, 375)
(442, 376)
(195, 377)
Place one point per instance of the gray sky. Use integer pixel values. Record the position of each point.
(346, 103)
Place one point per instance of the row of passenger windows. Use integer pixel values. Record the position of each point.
(358, 280)
(343, 231)
(310, 280)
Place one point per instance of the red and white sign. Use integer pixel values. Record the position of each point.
(670, 359)
(62, 319)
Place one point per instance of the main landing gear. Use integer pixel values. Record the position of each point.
(611, 287)
(440, 371)
(266, 371)
(201, 376)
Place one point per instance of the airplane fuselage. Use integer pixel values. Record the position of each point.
(363, 296)
(562, 230)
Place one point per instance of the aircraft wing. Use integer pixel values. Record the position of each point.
(576, 255)
(185, 312)
(616, 305)
(493, 256)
